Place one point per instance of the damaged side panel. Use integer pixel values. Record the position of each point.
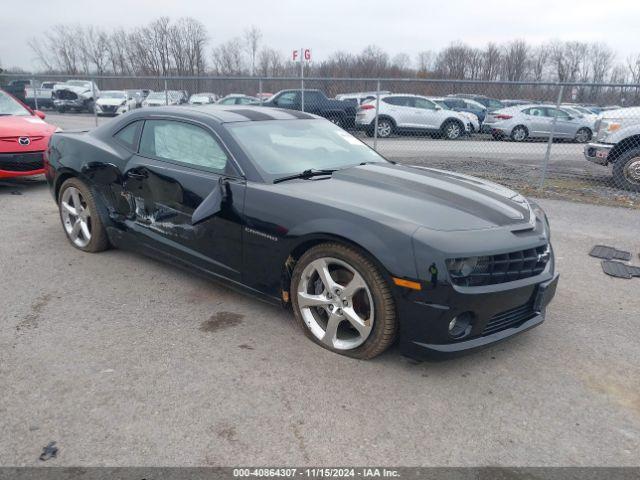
(159, 200)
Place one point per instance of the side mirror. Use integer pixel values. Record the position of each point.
(39, 114)
(212, 204)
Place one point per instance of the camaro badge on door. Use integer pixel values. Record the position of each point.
(24, 141)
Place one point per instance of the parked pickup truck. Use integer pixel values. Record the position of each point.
(16, 88)
(339, 112)
(42, 92)
(617, 142)
(77, 95)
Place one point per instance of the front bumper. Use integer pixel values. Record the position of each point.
(21, 164)
(498, 315)
(598, 152)
(77, 103)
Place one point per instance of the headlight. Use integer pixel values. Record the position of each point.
(607, 126)
(463, 267)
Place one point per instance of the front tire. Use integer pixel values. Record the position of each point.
(626, 170)
(452, 130)
(342, 302)
(80, 218)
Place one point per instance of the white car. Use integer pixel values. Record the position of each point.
(160, 99)
(404, 113)
(204, 98)
(75, 95)
(471, 117)
(116, 102)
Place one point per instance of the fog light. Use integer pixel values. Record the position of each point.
(460, 325)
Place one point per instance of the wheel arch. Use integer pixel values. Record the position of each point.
(386, 117)
(308, 242)
(452, 119)
(622, 146)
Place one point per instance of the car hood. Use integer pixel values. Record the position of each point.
(72, 88)
(110, 101)
(24, 126)
(430, 198)
(626, 113)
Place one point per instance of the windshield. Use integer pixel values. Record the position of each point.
(113, 94)
(161, 96)
(442, 104)
(583, 110)
(286, 147)
(10, 106)
(79, 83)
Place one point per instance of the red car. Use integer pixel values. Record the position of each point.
(24, 137)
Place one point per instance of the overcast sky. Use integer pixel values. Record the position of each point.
(329, 25)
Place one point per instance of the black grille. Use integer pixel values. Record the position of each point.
(505, 267)
(66, 95)
(108, 108)
(511, 318)
(21, 162)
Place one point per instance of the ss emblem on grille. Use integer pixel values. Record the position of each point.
(24, 141)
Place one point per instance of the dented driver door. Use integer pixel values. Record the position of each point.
(180, 167)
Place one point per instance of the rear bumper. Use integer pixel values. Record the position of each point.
(423, 328)
(598, 152)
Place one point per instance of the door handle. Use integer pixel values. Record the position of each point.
(137, 175)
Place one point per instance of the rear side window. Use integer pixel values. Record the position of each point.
(399, 101)
(128, 136)
(183, 143)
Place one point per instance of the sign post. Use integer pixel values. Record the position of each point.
(303, 55)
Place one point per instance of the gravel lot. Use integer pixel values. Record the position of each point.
(518, 165)
(126, 361)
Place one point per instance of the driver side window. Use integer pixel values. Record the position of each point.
(182, 143)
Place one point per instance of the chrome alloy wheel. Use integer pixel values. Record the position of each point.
(632, 171)
(453, 131)
(335, 303)
(384, 128)
(519, 134)
(583, 136)
(76, 217)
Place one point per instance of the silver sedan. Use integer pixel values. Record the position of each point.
(536, 121)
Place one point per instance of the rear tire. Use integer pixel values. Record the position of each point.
(519, 133)
(385, 128)
(356, 315)
(626, 170)
(336, 120)
(80, 218)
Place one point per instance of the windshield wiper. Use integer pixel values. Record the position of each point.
(312, 172)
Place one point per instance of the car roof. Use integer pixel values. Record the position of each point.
(235, 113)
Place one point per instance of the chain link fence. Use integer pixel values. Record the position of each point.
(526, 135)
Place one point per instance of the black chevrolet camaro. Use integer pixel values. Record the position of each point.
(291, 208)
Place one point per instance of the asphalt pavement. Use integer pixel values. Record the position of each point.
(123, 360)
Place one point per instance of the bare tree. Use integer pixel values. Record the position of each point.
(515, 60)
(425, 61)
(538, 62)
(227, 58)
(252, 38)
(491, 61)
